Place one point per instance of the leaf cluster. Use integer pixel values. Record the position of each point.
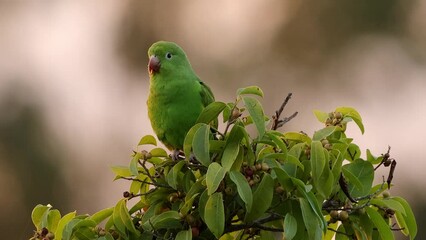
(237, 185)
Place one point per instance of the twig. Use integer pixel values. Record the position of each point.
(257, 224)
(385, 158)
(339, 232)
(277, 122)
(344, 186)
(146, 170)
(146, 182)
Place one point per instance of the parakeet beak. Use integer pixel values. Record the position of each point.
(154, 64)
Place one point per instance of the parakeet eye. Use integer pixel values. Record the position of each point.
(169, 55)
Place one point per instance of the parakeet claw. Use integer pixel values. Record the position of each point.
(177, 155)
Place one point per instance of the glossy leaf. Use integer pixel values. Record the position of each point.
(173, 175)
(121, 217)
(388, 203)
(38, 215)
(409, 217)
(298, 137)
(62, 223)
(102, 215)
(232, 147)
(184, 235)
(360, 171)
(134, 164)
(187, 206)
(321, 116)
(256, 112)
(214, 214)
(279, 142)
(262, 197)
(352, 113)
(169, 219)
(200, 145)
(324, 133)
(250, 90)
(310, 219)
(382, 226)
(215, 174)
(148, 140)
(121, 171)
(318, 160)
(211, 112)
(290, 226)
(243, 188)
(187, 143)
(53, 218)
(158, 152)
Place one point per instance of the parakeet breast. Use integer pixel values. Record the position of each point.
(173, 109)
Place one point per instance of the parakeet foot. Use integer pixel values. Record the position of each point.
(177, 155)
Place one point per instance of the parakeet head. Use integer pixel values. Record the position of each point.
(166, 58)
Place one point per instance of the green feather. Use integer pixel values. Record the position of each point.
(176, 94)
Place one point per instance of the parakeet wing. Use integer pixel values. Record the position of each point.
(206, 94)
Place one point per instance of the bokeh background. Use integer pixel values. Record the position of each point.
(73, 84)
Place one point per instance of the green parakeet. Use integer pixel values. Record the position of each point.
(176, 94)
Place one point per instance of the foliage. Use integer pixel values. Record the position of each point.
(232, 185)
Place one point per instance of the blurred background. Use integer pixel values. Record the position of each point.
(74, 84)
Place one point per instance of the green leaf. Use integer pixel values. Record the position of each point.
(290, 226)
(353, 114)
(409, 218)
(68, 229)
(62, 223)
(82, 229)
(134, 164)
(325, 132)
(187, 143)
(381, 225)
(102, 215)
(243, 188)
(250, 90)
(360, 172)
(256, 112)
(148, 140)
(169, 219)
(214, 214)
(354, 181)
(279, 142)
(305, 190)
(172, 176)
(283, 178)
(215, 174)
(310, 219)
(38, 214)
(121, 171)
(321, 116)
(388, 203)
(211, 112)
(353, 152)
(158, 152)
(188, 205)
(184, 235)
(196, 188)
(202, 204)
(318, 160)
(200, 145)
(122, 219)
(262, 197)
(232, 147)
(298, 137)
(53, 218)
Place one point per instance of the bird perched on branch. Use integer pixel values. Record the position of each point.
(176, 94)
